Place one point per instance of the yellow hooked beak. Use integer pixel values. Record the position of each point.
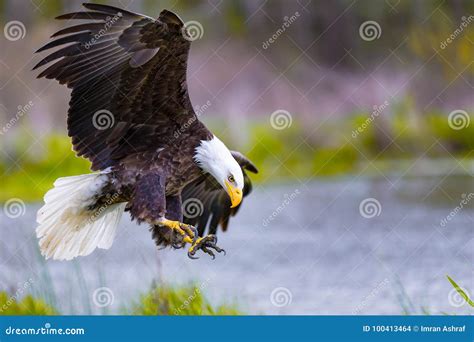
(234, 194)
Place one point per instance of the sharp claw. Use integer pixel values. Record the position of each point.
(217, 249)
(208, 251)
(196, 235)
(191, 256)
(206, 244)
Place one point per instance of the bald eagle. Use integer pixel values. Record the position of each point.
(131, 116)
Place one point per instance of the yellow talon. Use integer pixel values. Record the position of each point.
(188, 240)
(195, 244)
(181, 228)
(207, 244)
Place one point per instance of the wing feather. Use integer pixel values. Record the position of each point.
(126, 64)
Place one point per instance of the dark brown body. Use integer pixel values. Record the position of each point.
(155, 177)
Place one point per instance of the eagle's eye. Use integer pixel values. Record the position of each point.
(231, 179)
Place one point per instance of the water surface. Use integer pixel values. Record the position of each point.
(307, 243)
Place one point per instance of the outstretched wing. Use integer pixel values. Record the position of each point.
(205, 202)
(127, 72)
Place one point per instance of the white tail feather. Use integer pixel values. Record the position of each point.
(67, 228)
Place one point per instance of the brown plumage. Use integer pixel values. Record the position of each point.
(130, 114)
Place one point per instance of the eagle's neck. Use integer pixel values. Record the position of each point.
(211, 152)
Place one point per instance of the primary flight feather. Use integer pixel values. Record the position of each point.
(131, 116)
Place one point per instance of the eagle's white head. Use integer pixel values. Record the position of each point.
(215, 158)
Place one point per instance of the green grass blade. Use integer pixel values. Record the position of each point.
(461, 291)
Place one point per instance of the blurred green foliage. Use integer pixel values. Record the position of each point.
(162, 300)
(292, 153)
(289, 153)
(186, 300)
(338, 148)
(456, 141)
(34, 175)
(9, 305)
(452, 40)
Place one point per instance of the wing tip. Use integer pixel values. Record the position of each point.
(63, 16)
(169, 17)
(252, 168)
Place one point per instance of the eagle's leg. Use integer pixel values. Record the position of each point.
(187, 233)
(206, 244)
(174, 213)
